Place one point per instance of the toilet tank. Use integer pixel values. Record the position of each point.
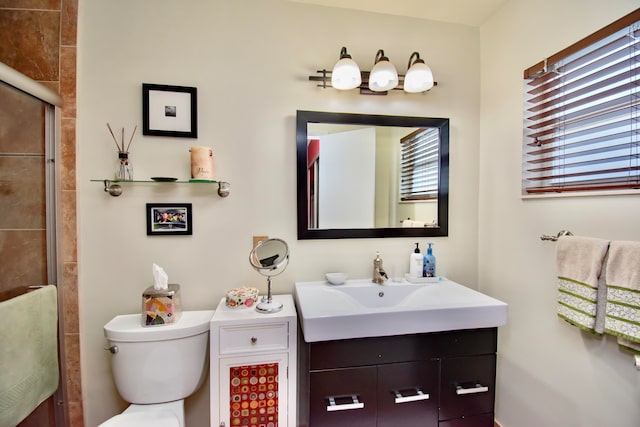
(159, 363)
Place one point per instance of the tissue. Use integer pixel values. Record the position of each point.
(161, 303)
(160, 278)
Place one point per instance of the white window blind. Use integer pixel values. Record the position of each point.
(419, 171)
(582, 114)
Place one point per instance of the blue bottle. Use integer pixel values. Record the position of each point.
(429, 263)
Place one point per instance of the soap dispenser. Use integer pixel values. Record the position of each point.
(429, 265)
(415, 263)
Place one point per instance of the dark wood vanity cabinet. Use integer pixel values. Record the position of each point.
(442, 379)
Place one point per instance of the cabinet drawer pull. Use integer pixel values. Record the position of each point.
(413, 398)
(333, 406)
(254, 340)
(479, 388)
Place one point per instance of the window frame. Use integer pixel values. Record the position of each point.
(542, 85)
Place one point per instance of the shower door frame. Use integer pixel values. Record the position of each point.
(52, 103)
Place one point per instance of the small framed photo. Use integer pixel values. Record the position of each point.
(169, 219)
(169, 111)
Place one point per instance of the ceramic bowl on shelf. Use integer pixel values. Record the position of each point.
(336, 278)
(164, 178)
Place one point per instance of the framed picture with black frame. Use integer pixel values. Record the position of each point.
(169, 219)
(169, 110)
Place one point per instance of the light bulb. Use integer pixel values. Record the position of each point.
(384, 75)
(346, 73)
(419, 77)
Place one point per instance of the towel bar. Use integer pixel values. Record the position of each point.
(555, 238)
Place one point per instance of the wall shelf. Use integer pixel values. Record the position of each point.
(114, 186)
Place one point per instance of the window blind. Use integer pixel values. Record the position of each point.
(419, 165)
(582, 115)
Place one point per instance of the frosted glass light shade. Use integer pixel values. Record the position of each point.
(383, 77)
(419, 78)
(346, 74)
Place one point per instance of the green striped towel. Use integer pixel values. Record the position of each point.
(581, 288)
(623, 293)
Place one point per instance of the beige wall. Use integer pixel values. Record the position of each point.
(543, 363)
(549, 373)
(250, 61)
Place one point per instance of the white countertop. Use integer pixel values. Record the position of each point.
(224, 313)
(360, 308)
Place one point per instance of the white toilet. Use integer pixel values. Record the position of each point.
(156, 367)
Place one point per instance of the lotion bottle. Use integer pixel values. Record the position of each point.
(415, 263)
(429, 265)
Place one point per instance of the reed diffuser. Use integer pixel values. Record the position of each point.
(124, 170)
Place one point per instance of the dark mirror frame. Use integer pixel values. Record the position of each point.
(305, 117)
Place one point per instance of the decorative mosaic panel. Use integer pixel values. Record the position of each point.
(254, 395)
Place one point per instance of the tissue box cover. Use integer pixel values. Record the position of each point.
(161, 307)
(242, 297)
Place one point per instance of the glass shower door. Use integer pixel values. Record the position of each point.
(27, 198)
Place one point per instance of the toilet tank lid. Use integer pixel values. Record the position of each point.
(128, 327)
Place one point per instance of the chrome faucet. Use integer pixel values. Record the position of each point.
(379, 275)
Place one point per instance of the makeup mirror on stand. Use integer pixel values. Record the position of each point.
(269, 257)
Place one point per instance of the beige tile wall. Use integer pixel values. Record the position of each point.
(39, 40)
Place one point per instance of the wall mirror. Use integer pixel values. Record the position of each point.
(362, 175)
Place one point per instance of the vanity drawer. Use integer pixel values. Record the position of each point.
(408, 394)
(343, 397)
(468, 342)
(467, 386)
(254, 338)
(484, 420)
(372, 351)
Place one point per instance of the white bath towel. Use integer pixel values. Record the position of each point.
(29, 353)
(623, 293)
(581, 287)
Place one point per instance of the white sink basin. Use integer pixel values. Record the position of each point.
(368, 294)
(361, 308)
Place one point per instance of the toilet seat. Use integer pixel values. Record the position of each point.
(143, 419)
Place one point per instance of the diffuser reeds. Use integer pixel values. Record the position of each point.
(124, 172)
(120, 146)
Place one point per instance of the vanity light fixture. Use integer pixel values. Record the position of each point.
(382, 78)
(419, 76)
(346, 73)
(384, 75)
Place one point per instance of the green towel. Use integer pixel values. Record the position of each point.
(29, 353)
(581, 287)
(623, 293)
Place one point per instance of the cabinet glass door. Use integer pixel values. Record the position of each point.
(253, 391)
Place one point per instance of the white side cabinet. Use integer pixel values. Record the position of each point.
(253, 366)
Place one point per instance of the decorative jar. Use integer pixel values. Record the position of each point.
(124, 171)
